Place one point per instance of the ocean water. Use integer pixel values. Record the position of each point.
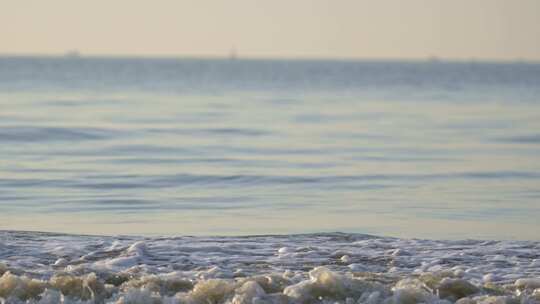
(213, 181)
(444, 150)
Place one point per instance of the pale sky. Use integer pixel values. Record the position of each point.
(453, 29)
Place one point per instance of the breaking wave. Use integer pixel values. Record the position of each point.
(311, 268)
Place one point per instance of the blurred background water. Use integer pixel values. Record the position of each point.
(220, 147)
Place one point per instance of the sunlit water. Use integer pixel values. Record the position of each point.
(160, 149)
(242, 147)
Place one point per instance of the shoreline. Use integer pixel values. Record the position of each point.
(302, 268)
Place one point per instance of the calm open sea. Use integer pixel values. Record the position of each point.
(446, 150)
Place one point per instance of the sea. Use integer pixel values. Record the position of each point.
(268, 181)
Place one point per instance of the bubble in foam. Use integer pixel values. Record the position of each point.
(529, 283)
(20, 287)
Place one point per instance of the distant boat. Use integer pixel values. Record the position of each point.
(434, 59)
(72, 54)
(233, 54)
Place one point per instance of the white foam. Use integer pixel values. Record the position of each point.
(340, 267)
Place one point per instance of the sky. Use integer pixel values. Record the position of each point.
(453, 29)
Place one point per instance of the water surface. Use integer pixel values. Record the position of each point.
(234, 147)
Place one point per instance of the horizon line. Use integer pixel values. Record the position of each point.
(74, 54)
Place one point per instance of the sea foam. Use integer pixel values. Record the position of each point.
(314, 268)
